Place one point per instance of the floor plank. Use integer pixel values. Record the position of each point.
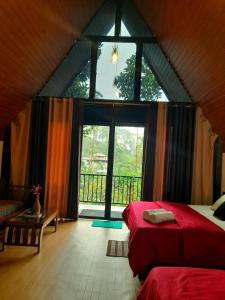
(72, 265)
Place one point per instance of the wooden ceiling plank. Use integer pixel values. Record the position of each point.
(34, 39)
(191, 33)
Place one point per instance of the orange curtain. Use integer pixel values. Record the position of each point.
(58, 154)
(160, 152)
(202, 180)
(19, 148)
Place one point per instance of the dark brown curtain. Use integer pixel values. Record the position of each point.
(149, 152)
(38, 143)
(179, 153)
(5, 175)
(75, 157)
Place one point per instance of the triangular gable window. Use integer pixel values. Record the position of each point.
(80, 85)
(142, 72)
(150, 88)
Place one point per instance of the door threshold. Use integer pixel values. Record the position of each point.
(100, 218)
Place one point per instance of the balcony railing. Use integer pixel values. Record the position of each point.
(124, 189)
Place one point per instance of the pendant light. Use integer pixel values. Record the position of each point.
(115, 55)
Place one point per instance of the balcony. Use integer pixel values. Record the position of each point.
(97, 160)
(124, 189)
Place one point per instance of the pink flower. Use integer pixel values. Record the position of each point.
(36, 189)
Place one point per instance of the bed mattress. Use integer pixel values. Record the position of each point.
(183, 283)
(192, 239)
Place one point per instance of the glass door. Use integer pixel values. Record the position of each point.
(111, 170)
(94, 165)
(127, 168)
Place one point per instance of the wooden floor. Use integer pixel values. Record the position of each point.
(72, 265)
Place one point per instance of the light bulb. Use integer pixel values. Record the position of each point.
(115, 56)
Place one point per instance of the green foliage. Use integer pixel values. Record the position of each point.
(150, 89)
(95, 141)
(127, 153)
(87, 130)
(127, 162)
(79, 88)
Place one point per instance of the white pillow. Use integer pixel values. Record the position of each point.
(218, 203)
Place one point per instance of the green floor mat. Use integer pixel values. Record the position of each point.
(107, 224)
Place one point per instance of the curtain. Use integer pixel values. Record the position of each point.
(75, 161)
(5, 174)
(202, 179)
(1, 151)
(160, 151)
(19, 148)
(149, 152)
(58, 154)
(38, 143)
(223, 174)
(179, 153)
(217, 169)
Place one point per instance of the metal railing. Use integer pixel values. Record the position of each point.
(124, 189)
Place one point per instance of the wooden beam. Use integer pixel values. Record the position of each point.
(118, 17)
(120, 39)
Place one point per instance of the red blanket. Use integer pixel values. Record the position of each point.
(190, 240)
(182, 283)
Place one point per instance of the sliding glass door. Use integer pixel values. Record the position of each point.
(94, 165)
(111, 168)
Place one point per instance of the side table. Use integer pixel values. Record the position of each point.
(25, 231)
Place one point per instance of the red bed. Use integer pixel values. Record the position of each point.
(190, 240)
(183, 283)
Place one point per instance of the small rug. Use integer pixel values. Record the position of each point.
(117, 248)
(107, 224)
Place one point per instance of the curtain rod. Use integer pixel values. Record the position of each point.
(122, 102)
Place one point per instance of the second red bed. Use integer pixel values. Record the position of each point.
(190, 240)
(183, 283)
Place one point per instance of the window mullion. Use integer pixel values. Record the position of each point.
(93, 71)
(137, 79)
(118, 17)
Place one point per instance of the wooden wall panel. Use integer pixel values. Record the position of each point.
(34, 37)
(191, 32)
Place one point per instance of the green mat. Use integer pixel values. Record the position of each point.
(107, 224)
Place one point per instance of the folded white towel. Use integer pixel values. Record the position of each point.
(158, 217)
(153, 211)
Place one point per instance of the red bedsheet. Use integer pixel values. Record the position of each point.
(183, 283)
(190, 240)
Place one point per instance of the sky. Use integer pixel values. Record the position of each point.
(106, 71)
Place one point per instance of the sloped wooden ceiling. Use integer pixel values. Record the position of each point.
(34, 37)
(192, 34)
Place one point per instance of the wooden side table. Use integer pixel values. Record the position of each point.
(23, 231)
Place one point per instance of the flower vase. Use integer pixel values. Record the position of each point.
(37, 206)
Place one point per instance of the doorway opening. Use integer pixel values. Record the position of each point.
(111, 170)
